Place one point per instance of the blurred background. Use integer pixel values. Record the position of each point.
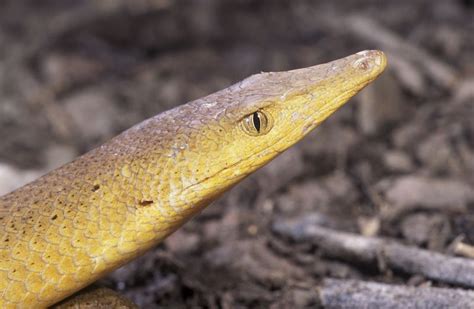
(397, 162)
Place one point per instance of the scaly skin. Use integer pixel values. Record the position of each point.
(76, 224)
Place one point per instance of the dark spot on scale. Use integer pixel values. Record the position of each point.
(54, 217)
(95, 188)
(145, 202)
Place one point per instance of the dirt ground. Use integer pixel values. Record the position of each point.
(396, 164)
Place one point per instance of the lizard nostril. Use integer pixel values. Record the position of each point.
(363, 64)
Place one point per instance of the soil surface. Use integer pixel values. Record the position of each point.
(396, 163)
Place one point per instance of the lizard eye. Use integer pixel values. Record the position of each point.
(257, 123)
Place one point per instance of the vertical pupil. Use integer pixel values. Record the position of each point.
(256, 121)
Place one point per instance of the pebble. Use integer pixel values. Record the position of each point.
(398, 161)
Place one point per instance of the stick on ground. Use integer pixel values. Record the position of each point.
(343, 294)
(373, 250)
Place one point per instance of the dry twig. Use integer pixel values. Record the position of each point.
(359, 294)
(373, 250)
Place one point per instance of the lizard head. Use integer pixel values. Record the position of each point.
(251, 122)
(214, 142)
